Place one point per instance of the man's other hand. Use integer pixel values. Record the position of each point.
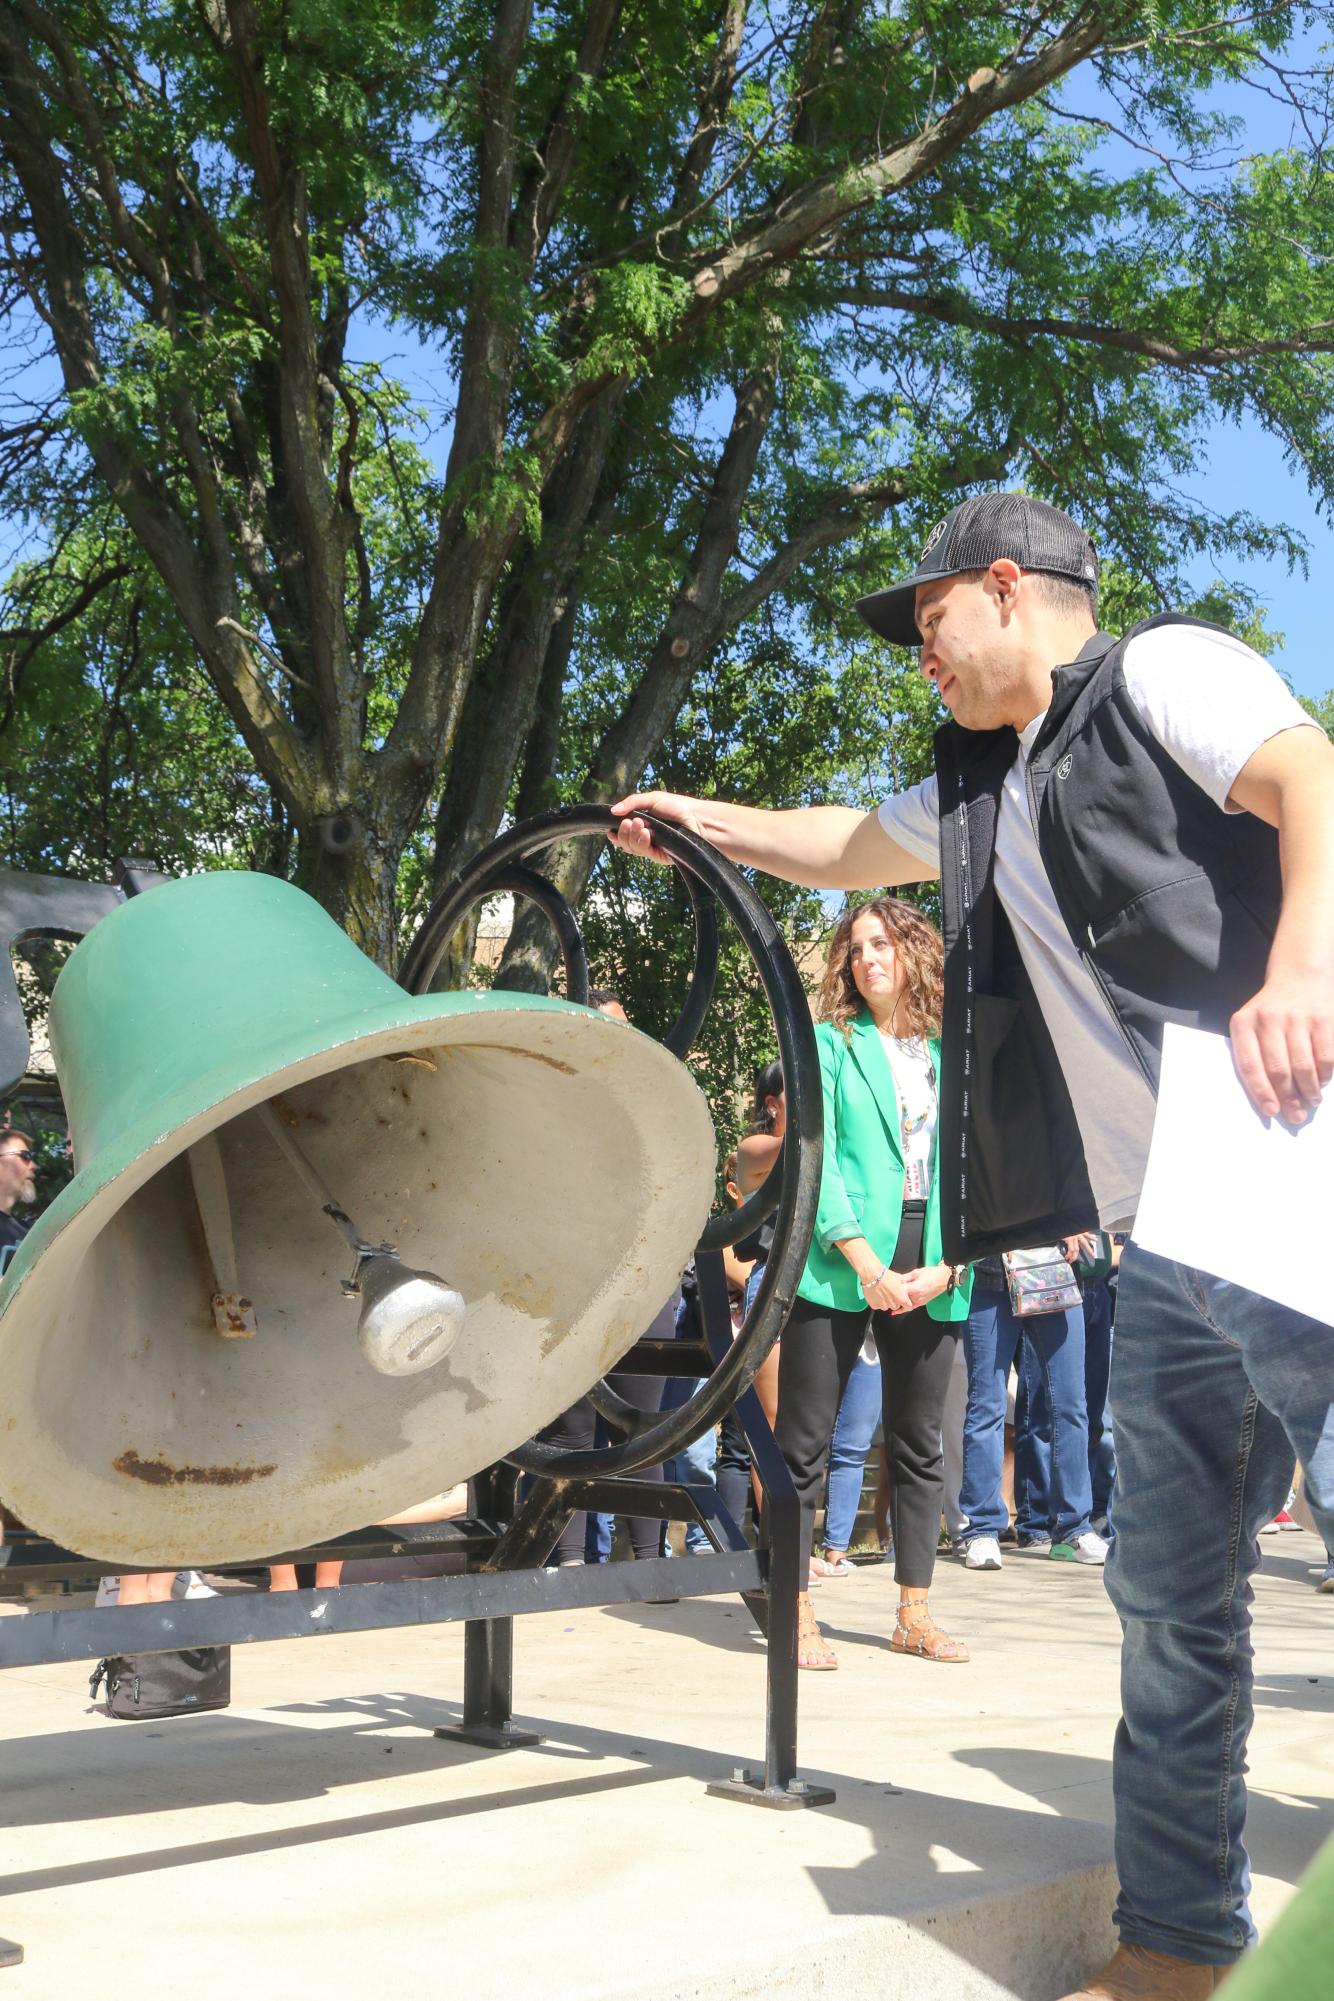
(1283, 1046)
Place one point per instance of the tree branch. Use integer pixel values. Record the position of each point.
(961, 312)
(545, 183)
(281, 187)
(142, 497)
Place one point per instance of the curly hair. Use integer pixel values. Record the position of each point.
(921, 953)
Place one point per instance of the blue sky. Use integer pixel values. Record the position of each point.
(1246, 469)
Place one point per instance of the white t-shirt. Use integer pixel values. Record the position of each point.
(1211, 702)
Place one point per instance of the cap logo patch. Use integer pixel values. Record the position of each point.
(934, 537)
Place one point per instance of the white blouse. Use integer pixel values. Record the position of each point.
(915, 1080)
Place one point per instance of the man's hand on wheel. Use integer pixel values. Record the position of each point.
(633, 836)
(1283, 1046)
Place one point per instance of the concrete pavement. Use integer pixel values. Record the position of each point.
(316, 1840)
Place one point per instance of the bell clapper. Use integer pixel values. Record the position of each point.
(233, 1315)
(409, 1319)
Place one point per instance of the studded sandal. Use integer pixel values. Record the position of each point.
(921, 1635)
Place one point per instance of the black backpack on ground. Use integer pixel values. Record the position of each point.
(140, 1686)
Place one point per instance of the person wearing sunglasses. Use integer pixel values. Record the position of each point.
(17, 1185)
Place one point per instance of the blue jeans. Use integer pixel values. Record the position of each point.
(992, 1341)
(1032, 1424)
(1215, 1392)
(695, 1464)
(858, 1415)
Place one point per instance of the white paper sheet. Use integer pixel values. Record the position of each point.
(1238, 1196)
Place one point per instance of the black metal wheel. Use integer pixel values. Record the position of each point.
(793, 1184)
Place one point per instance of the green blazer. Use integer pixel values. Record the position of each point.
(861, 1184)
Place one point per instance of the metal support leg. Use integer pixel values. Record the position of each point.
(780, 1787)
(488, 1667)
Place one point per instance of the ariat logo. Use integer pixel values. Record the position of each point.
(1063, 768)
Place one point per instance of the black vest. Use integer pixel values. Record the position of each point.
(1171, 904)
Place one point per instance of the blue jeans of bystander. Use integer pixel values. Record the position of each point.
(992, 1337)
(695, 1464)
(1032, 1424)
(858, 1415)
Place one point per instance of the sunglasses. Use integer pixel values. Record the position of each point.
(18, 1153)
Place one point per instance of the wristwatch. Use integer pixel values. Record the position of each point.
(958, 1273)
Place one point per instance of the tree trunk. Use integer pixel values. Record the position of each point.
(354, 875)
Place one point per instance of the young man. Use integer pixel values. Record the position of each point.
(1127, 832)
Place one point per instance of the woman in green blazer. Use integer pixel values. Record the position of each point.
(875, 1266)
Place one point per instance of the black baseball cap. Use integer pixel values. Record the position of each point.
(972, 537)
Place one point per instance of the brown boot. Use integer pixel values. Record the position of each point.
(1134, 1973)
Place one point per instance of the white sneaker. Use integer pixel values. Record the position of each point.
(1086, 1548)
(982, 1553)
(189, 1584)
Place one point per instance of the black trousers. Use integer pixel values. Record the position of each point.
(818, 1349)
(577, 1430)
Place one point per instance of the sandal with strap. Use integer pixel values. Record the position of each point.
(830, 1566)
(922, 1636)
(813, 1649)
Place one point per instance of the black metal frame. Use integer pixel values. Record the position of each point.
(505, 1541)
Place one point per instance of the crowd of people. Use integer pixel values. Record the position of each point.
(1128, 832)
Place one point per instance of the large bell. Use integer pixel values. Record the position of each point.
(199, 1361)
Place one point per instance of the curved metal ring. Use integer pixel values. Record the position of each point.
(797, 1168)
(472, 887)
(680, 1037)
(622, 1416)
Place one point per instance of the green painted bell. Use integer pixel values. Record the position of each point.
(228, 1059)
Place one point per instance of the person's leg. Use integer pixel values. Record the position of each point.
(694, 1465)
(1032, 1451)
(765, 1387)
(951, 1439)
(1057, 1340)
(1202, 1464)
(646, 1534)
(573, 1431)
(1097, 1374)
(853, 1431)
(991, 1337)
(818, 1349)
(153, 1587)
(733, 1468)
(917, 1358)
(600, 1527)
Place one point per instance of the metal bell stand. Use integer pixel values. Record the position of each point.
(506, 1539)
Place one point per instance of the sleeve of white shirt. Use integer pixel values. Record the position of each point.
(912, 818)
(1210, 700)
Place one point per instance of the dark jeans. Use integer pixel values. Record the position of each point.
(646, 1533)
(818, 1349)
(733, 1469)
